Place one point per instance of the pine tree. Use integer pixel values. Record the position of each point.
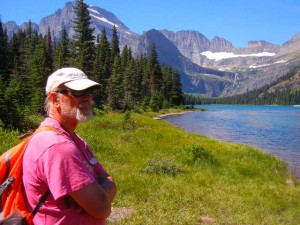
(115, 87)
(143, 73)
(155, 72)
(115, 50)
(49, 50)
(125, 57)
(102, 68)
(167, 82)
(130, 85)
(37, 79)
(3, 109)
(14, 99)
(176, 90)
(4, 57)
(83, 45)
(138, 79)
(155, 81)
(62, 51)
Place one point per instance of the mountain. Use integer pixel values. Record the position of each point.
(256, 65)
(210, 67)
(63, 18)
(195, 79)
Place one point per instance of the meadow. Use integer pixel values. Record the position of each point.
(167, 176)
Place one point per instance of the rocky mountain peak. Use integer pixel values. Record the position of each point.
(262, 46)
(219, 44)
(201, 62)
(63, 17)
(294, 39)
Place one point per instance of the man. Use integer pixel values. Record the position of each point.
(60, 161)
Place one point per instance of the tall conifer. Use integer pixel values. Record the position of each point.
(4, 57)
(155, 72)
(83, 39)
(49, 50)
(115, 87)
(62, 51)
(115, 49)
(37, 79)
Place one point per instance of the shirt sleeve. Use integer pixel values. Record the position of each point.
(65, 169)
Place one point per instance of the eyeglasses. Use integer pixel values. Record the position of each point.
(77, 94)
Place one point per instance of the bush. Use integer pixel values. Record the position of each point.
(128, 123)
(162, 166)
(196, 154)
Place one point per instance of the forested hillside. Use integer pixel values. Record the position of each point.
(284, 91)
(28, 58)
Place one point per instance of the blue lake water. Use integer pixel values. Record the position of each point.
(273, 129)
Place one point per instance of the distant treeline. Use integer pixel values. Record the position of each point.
(27, 59)
(261, 96)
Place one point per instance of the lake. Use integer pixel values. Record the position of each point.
(273, 129)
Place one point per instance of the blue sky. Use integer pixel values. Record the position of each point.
(238, 21)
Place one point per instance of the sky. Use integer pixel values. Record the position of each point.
(238, 21)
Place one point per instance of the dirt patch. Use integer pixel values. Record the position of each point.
(119, 213)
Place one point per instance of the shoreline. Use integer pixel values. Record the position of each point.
(161, 116)
(291, 168)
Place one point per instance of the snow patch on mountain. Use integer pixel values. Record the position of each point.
(94, 11)
(226, 55)
(101, 18)
(263, 65)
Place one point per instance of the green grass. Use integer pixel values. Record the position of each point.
(169, 176)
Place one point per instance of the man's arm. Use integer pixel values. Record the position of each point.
(109, 186)
(96, 198)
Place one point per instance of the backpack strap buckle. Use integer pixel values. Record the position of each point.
(5, 184)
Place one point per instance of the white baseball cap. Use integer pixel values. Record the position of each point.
(72, 78)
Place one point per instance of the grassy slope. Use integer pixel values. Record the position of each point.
(234, 184)
(196, 176)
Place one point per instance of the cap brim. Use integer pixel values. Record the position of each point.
(81, 84)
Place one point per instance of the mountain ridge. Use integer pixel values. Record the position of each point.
(211, 67)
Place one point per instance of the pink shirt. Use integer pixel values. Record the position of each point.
(53, 161)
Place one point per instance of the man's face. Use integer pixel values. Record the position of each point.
(77, 106)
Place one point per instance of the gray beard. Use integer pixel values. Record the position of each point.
(76, 113)
(83, 118)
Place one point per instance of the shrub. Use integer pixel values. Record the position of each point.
(196, 154)
(162, 166)
(128, 123)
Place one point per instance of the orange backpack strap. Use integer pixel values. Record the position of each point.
(42, 128)
(12, 191)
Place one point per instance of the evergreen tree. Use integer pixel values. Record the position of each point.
(130, 85)
(49, 51)
(155, 81)
(155, 72)
(144, 71)
(3, 109)
(27, 44)
(124, 57)
(102, 68)
(167, 82)
(62, 51)
(176, 90)
(38, 72)
(115, 87)
(4, 57)
(156, 102)
(115, 50)
(83, 45)
(14, 98)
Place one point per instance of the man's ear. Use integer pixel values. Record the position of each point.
(54, 98)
